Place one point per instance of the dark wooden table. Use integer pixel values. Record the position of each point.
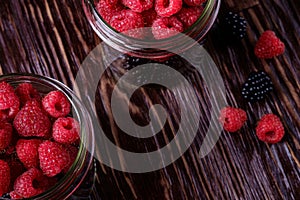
(52, 38)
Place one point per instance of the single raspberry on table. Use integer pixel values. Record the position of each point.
(53, 158)
(129, 23)
(4, 177)
(27, 152)
(167, 8)
(26, 92)
(194, 2)
(269, 45)
(72, 151)
(31, 120)
(188, 16)
(27, 184)
(108, 8)
(232, 119)
(65, 130)
(9, 102)
(56, 104)
(138, 5)
(5, 134)
(270, 129)
(166, 27)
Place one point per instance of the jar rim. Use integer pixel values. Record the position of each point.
(152, 48)
(208, 4)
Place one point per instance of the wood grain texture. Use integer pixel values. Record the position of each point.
(52, 38)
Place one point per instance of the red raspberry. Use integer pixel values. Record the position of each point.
(56, 104)
(270, 129)
(5, 134)
(138, 5)
(53, 158)
(149, 16)
(188, 16)
(17, 168)
(232, 119)
(27, 185)
(107, 9)
(27, 151)
(194, 2)
(4, 177)
(65, 130)
(72, 151)
(268, 45)
(128, 23)
(14, 195)
(166, 27)
(32, 121)
(9, 102)
(26, 92)
(167, 8)
(112, 2)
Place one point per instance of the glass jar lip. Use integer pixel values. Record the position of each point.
(206, 11)
(75, 102)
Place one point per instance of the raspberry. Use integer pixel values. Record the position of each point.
(166, 27)
(234, 25)
(268, 45)
(4, 177)
(188, 16)
(107, 9)
(72, 151)
(26, 92)
(5, 134)
(56, 104)
(138, 5)
(128, 23)
(232, 119)
(53, 158)
(14, 195)
(112, 2)
(65, 130)
(9, 102)
(17, 168)
(257, 86)
(194, 2)
(270, 129)
(167, 8)
(32, 121)
(27, 151)
(149, 16)
(27, 185)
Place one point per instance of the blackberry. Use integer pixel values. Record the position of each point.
(235, 25)
(257, 86)
(6, 196)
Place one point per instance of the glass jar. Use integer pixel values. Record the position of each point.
(155, 49)
(71, 183)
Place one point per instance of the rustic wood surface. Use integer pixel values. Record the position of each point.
(53, 37)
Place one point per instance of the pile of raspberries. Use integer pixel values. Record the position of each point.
(165, 17)
(39, 139)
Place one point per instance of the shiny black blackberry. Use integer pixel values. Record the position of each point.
(235, 25)
(6, 196)
(131, 61)
(257, 86)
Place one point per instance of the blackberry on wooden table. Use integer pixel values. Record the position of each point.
(257, 86)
